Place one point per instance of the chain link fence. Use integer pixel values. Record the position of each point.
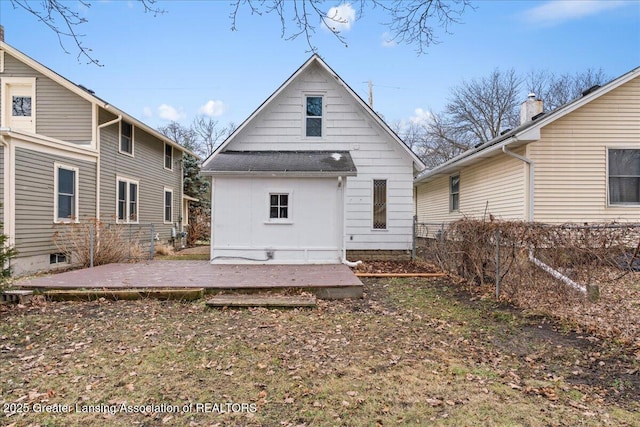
(585, 272)
(94, 242)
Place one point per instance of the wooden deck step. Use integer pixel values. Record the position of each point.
(19, 296)
(260, 300)
(185, 294)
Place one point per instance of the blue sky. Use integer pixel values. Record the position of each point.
(188, 61)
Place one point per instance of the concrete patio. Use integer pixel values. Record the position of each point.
(330, 281)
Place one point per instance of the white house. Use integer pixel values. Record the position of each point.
(314, 175)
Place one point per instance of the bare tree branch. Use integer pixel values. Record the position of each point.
(64, 18)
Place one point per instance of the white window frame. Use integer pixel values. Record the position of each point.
(164, 205)
(607, 177)
(56, 167)
(1, 61)
(127, 219)
(133, 132)
(6, 103)
(322, 117)
(289, 218)
(386, 204)
(451, 193)
(164, 157)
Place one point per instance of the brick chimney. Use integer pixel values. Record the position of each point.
(530, 108)
(1, 33)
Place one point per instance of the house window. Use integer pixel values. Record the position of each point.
(624, 177)
(126, 138)
(168, 205)
(454, 192)
(21, 106)
(168, 157)
(66, 197)
(278, 206)
(314, 116)
(380, 204)
(127, 201)
(58, 258)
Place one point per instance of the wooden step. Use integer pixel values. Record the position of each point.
(261, 300)
(185, 294)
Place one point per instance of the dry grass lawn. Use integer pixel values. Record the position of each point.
(411, 352)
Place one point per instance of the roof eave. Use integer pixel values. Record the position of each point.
(287, 174)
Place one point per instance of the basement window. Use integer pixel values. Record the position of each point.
(58, 258)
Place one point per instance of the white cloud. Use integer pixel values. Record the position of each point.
(387, 40)
(167, 112)
(420, 116)
(340, 18)
(213, 108)
(147, 112)
(558, 11)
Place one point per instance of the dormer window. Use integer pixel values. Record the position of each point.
(126, 138)
(314, 116)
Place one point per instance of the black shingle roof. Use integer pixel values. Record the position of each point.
(324, 162)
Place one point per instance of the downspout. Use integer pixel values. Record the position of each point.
(530, 216)
(342, 183)
(99, 127)
(532, 258)
(8, 189)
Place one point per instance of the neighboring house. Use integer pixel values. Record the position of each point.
(579, 163)
(67, 156)
(312, 173)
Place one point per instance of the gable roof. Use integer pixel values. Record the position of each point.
(523, 134)
(316, 59)
(89, 96)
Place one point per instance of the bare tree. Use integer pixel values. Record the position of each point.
(556, 91)
(413, 22)
(183, 135)
(210, 134)
(63, 18)
(483, 108)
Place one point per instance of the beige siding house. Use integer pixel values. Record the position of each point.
(579, 163)
(68, 156)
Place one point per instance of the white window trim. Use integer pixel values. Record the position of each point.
(5, 109)
(133, 145)
(1, 61)
(164, 157)
(451, 194)
(127, 220)
(282, 221)
(386, 204)
(56, 167)
(607, 201)
(164, 196)
(322, 118)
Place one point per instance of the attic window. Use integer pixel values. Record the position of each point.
(314, 116)
(126, 138)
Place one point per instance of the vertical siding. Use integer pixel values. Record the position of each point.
(571, 170)
(60, 113)
(347, 126)
(35, 192)
(146, 167)
(493, 186)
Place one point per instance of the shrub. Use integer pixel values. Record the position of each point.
(112, 243)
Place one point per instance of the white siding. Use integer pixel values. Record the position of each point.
(242, 230)
(347, 126)
(571, 158)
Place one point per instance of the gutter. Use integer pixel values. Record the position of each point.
(99, 127)
(341, 185)
(529, 162)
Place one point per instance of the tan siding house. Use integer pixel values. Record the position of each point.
(579, 163)
(63, 159)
